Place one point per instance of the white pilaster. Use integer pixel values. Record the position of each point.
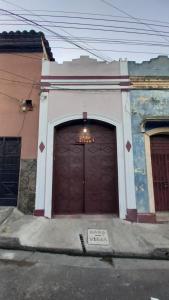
(41, 160)
(128, 155)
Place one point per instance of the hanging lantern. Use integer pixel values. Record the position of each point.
(85, 137)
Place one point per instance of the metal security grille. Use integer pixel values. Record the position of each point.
(160, 168)
(10, 149)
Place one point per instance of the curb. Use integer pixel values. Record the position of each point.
(12, 243)
(6, 215)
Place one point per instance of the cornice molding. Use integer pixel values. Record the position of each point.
(150, 82)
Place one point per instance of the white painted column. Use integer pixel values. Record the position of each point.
(128, 155)
(41, 160)
(49, 171)
(127, 137)
(121, 173)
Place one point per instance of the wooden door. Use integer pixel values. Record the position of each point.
(101, 191)
(85, 175)
(9, 170)
(160, 169)
(67, 172)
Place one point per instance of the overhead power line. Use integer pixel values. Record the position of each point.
(87, 24)
(82, 13)
(130, 16)
(28, 21)
(47, 27)
(92, 26)
(114, 50)
(18, 81)
(94, 40)
(15, 74)
(70, 35)
(107, 41)
(85, 18)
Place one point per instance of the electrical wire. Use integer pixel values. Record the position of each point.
(83, 13)
(130, 16)
(90, 24)
(4, 94)
(113, 50)
(25, 113)
(21, 82)
(15, 74)
(93, 39)
(79, 46)
(104, 26)
(28, 21)
(85, 18)
(47, 27)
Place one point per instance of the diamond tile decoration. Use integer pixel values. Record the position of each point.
(41, 146)
(128, 146)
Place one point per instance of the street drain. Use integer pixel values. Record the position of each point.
(82, 243)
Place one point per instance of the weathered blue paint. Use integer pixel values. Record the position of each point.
(142, 106)
(146, 103)
(155, 67)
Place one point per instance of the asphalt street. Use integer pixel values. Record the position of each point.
(31, 275)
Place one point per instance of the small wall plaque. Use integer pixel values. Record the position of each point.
(97, 237)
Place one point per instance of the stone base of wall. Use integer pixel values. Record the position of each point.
(134, 216)
(27, 186)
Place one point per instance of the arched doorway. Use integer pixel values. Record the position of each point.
(160, 170)
(85, 178)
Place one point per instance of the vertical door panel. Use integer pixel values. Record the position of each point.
(68, 175)
(160, 169)
(101, 191)
(9, 170)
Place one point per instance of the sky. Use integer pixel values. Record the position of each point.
(103, 29)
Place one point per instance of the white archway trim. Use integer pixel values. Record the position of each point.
(49, 161)
(147, 136)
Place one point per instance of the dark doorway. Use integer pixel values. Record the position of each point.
(160, 169)
(10, 149)
(85, 169)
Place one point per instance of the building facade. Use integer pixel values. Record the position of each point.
(21, 56)
(149, 99)
(82, 137)
(85, 153)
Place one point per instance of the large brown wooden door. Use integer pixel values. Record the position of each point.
(160, 169)
(85, 175)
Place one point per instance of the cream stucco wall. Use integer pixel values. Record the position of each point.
(83, 66)
(64, 103)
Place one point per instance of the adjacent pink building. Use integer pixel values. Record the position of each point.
(21, 56)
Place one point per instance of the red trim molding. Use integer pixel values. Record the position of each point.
(146, 218)
(38, 213)
(85, 77)
(131, 215)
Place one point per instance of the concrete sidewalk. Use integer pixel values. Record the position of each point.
(62, 235)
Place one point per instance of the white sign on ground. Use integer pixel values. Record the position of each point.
(97, 237)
